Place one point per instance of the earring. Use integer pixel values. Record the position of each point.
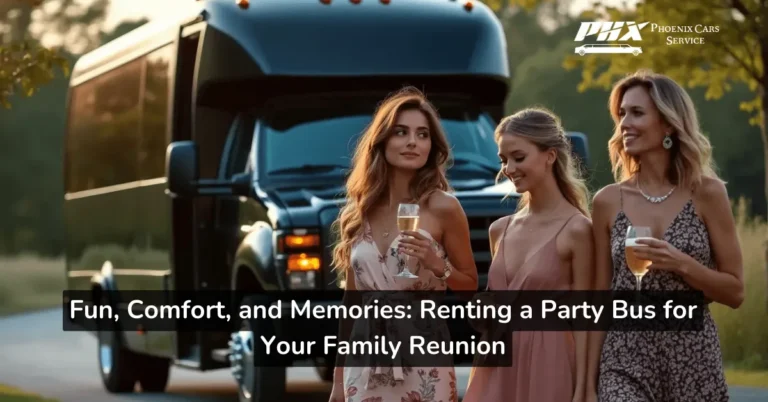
(667, 144)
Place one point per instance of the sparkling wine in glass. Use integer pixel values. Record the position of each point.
(637, 266)
(407, 219)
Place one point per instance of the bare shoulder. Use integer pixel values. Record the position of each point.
(445, 205)
(712, 197)
(606, 202)
(607, 196)
(579, 228)
(576, 237)
(712, 190)
(497, 226)
(495, 231)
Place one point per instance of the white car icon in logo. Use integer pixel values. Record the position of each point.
(613, 48)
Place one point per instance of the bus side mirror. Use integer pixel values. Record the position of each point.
(580, 147)
(181, 168)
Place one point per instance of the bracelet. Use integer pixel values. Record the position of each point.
(447, 269)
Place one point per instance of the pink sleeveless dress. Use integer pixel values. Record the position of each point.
(543, 363)
(376, 271)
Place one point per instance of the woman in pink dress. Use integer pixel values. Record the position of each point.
(545, 245)
(401, 159)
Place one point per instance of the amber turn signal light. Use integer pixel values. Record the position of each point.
(303, 262)
(301, 241)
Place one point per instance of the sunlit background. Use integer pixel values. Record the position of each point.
(539, 43)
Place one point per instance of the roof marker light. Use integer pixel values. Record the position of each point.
(325, 1)
(468, 6)
(243, 4)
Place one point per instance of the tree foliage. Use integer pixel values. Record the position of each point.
(25, 67)
(730, 55)
(25, 64)
(734, 55)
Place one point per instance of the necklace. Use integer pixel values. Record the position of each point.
(654, 200)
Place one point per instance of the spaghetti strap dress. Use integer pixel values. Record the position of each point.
(375, 271)
(664, 366)
(543, 362)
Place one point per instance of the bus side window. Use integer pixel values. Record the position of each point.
(104, 129)
(155, 113)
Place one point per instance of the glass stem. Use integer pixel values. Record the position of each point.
(639, 281)
(407, 261)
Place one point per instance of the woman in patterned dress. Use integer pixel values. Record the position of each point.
(666, 181)
(401, 159)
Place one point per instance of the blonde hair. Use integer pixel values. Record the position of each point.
(691, 151)
(367, 182)
(543, 128)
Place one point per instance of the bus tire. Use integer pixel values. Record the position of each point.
(153, 373)
(116, 363)
(257, 382)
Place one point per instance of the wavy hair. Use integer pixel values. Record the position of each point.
(691, 151)
(544, 129)
(368, 180)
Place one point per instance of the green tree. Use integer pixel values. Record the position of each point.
(25, 64)
(731, 58)
(732, 55)
(25, 67)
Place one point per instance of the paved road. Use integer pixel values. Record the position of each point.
(36, 355)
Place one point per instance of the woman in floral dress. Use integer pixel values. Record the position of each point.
(401, 159)
(665, 181)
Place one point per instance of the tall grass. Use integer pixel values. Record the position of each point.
(744, 331)
(30, 283)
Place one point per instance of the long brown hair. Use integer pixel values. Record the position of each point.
(691, 151)
(543, 128)
(368, 179)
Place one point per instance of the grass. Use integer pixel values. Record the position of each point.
(747, 378)
(9, 394)
(30, 283)
(743, 331)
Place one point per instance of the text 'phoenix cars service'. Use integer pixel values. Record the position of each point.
(198, 144)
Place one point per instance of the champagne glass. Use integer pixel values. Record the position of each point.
(637, 266)
(407, 219)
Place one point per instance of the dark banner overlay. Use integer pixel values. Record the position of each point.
(385, 328)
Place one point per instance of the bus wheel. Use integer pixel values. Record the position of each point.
(153, 373)
(258, 378)
(115, 362)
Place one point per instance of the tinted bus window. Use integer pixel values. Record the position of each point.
(155, 112)
(104, 130)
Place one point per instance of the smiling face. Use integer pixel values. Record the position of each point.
(523, 162)
(409, 143)
(642, 126)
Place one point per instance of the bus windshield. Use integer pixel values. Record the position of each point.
(325, 146)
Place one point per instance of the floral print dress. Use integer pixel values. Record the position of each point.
(663, 366)
(374, 271)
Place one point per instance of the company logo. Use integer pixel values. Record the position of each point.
(610, 32)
